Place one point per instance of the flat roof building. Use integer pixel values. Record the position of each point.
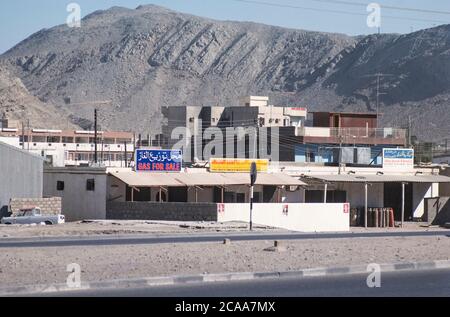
(21, 175)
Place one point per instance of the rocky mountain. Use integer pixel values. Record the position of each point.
(21, 107)
(134, 61)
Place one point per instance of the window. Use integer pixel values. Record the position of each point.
(262, 122)
(67, 139)
(90, 185)
(53, 139)
(240, 198)
(60, 185)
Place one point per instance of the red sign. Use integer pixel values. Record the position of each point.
(346, 208)
(285, 210)
(220, 208)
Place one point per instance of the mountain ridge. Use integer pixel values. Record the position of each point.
(148, 57)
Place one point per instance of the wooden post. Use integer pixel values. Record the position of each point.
(160, 194)
(222, 194)
(132, 194)
(325, 192)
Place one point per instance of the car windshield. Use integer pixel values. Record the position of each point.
(29, 212)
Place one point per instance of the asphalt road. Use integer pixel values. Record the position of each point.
(396, 284)
(192, 238)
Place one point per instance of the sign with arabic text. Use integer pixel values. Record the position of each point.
(159, 160)
(237, 165)
(398, 158)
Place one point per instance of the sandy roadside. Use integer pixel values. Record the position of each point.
(133, 227)
(48, 265)
(107, 228)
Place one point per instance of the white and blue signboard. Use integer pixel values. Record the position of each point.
(398, 158)
(159, 160)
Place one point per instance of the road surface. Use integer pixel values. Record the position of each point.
(403, 284)
(193, 238)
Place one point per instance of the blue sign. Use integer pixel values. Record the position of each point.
(405, 154)
(398, 158)
(159, 160)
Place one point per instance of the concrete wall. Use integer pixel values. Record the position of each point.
(116, 190)
(161, 211)
(356, 195)
(437, 211)
(20, 176)
(444, 188)
(297, 196)
(419, 192)
(300, 217)
(204, 195)
(77, 202)
(48, 206)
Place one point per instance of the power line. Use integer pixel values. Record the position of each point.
(279, 5)
(361, 4)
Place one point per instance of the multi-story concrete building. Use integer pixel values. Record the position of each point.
(351, 138)
(253, 112)
(330, 138)
(73, 148)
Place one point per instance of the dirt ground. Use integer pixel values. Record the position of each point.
(109, 227)
(31, 266)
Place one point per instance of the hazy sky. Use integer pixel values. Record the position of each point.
(21, 18)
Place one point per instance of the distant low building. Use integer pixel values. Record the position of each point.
(73, 148)
(82, 191)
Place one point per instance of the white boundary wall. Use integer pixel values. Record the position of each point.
(299, 217)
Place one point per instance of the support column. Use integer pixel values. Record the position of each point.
(196, 194)
(160, 195)
(403, 203)
(325, 192)
(365, 204)
(222, 194)
(132, 194)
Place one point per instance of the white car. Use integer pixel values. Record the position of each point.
(33, 216)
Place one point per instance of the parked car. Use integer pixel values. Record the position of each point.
(33, 215)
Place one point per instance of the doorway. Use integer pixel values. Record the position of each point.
(336, 121)
(393, 199)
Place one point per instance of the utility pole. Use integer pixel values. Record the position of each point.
(95, 136)
(28, 135)
(23, 135)
(378, 75)
(253, 176)
(341, 137)
(126, 154)
(96, 104)
(409, 132)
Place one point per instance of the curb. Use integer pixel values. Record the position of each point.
(221, 277)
